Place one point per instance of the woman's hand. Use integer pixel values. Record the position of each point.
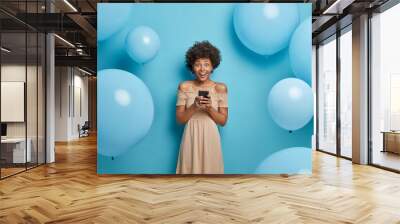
(198, 102)
(206, 103)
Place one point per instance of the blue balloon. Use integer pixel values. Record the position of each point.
(111, 18)
(305, 11)
(125, 111)
(300, 51)
(265, 28)
(290, 103)
(142, 44)
(295, 160)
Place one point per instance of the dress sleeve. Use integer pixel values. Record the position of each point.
(223, 100)
(182, 97)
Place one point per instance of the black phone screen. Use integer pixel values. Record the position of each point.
(203, 93)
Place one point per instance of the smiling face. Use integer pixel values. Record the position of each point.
(202, 68)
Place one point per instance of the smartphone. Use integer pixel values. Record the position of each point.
(203, 93)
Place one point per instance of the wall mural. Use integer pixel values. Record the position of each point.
(200, 88)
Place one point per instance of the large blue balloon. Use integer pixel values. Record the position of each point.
(265, 28)
(111, 18)
(142, 44)
(290, 103)
(300, 51)
(295, 160)
(125, 111)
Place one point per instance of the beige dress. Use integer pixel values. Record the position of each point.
(200, 149)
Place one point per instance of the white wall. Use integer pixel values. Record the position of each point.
(81, 84)
(70, 84)
(62, 82)
(15, 72)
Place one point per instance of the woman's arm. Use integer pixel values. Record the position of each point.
(184, 114)
(219, 116)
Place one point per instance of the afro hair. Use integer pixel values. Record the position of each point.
(203, 49)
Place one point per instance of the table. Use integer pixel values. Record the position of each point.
(391, 141)
(19, 155)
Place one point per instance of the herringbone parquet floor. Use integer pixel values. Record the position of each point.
(70, 191)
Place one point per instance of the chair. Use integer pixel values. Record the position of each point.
(84, 130)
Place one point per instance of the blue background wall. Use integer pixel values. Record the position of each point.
(250, 135)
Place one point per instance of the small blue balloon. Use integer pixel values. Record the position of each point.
(125, 111)
(295, 160)
(111, 18)
(265, 28)
(290, 103)
(300, 51)
(142, 44)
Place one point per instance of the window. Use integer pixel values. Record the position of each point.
(385, 89)
(327, 96)
(22, 86)
(346, 93)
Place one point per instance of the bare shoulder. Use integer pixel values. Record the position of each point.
(221, 87)
(185, 86)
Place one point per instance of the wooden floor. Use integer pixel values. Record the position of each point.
(387, 159)
(70, 191)
(5, 172)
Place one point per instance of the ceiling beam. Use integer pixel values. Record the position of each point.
(86, 26)
(82, 61)
(337, 6)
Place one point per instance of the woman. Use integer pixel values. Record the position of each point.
(200, 149)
